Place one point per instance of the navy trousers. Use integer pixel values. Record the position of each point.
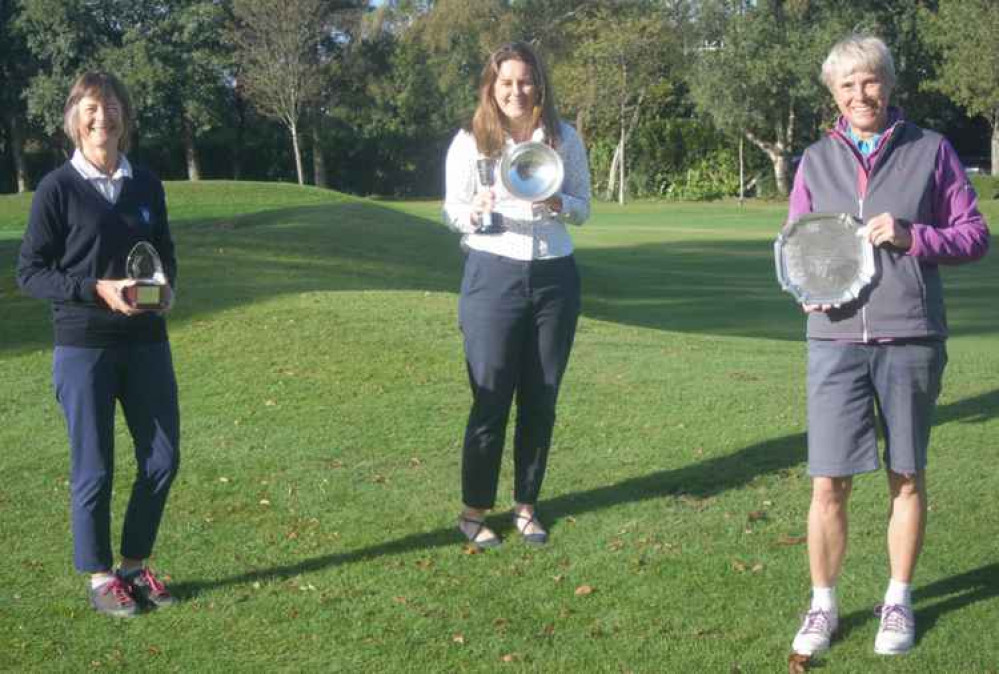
(88, 383)
(518, 319)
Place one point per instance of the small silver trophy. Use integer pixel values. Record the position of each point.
(486, 169)
(144, 266)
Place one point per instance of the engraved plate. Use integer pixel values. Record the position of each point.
(824, 258)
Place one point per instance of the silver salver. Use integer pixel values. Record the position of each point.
(531, 171)
(824, 258)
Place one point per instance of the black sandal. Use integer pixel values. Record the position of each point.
(479, 526)
(536, 538)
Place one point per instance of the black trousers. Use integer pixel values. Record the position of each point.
(88, 384)
(519, 320)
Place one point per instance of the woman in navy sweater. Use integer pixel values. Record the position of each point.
(86, 217)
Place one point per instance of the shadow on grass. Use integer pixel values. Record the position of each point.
(699, 480)
(708, 286)
(223, 263)
(935, 600)
(729, 287)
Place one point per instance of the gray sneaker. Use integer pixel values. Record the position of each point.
(113, 599)
(148, 589)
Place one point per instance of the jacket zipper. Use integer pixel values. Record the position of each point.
(863, 309)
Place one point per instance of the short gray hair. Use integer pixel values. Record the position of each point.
(859, 52)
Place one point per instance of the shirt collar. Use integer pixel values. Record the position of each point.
(865, 145)
(91, 172)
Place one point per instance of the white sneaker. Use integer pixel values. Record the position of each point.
(816, 632)
(897, 633)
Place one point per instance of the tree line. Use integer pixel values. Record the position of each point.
(687, 99)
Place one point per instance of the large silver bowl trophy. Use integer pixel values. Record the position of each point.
(531, 171)
(824, 258)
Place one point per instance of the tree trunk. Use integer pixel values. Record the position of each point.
(742, 172)
(17, 153)
(293, 128)
(239, 104)
(778, 155)
(318, 160)
(612, 175)
(190, 151)
(995, 143)
(621, 188)
(781, 170)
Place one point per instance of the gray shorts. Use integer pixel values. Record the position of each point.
(847, 382)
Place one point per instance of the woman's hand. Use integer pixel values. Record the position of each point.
(885, 229)
(168, 298)
(112, 293)
(816, 308)
(553, 204)
(482, 202)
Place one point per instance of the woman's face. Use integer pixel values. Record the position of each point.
(100, 125)
(862, 99)
(515, 91)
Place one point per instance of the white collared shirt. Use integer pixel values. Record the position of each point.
(531, 232)
(109, 186)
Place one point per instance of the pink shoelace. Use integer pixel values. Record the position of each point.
(817, 622)
(118, 590)
(894, 617)
(153, 582)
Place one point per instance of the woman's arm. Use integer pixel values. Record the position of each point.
(43, 246)
(459, 183)
(959, 233)
(575, 192)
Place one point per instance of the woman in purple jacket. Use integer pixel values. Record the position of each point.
(878, 360)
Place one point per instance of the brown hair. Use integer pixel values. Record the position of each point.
(102, 86)
(488, 121)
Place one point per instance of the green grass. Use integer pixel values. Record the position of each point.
(323, 400)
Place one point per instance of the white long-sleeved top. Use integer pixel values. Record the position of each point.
(531, 231)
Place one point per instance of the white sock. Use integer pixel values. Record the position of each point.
(824, 599)
(98, 579)
(898, 593)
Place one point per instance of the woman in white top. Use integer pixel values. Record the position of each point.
(520, 294)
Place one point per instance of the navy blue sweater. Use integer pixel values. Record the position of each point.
(75, 236)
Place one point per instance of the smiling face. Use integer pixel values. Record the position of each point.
(862, 99)
(515, 92)
(99, 124)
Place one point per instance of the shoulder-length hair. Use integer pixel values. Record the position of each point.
(488, 122)
(102, 86)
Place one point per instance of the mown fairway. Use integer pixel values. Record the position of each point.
(323, 398)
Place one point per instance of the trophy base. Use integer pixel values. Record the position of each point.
(145, 296)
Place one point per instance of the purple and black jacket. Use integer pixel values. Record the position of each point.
(914, 175)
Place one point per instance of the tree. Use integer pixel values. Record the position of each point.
(277, 45)
(16, 68)
(64, 37)
(172, 58)
(166, 52)
(761, 80)
(620, 51)
(965, 32)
